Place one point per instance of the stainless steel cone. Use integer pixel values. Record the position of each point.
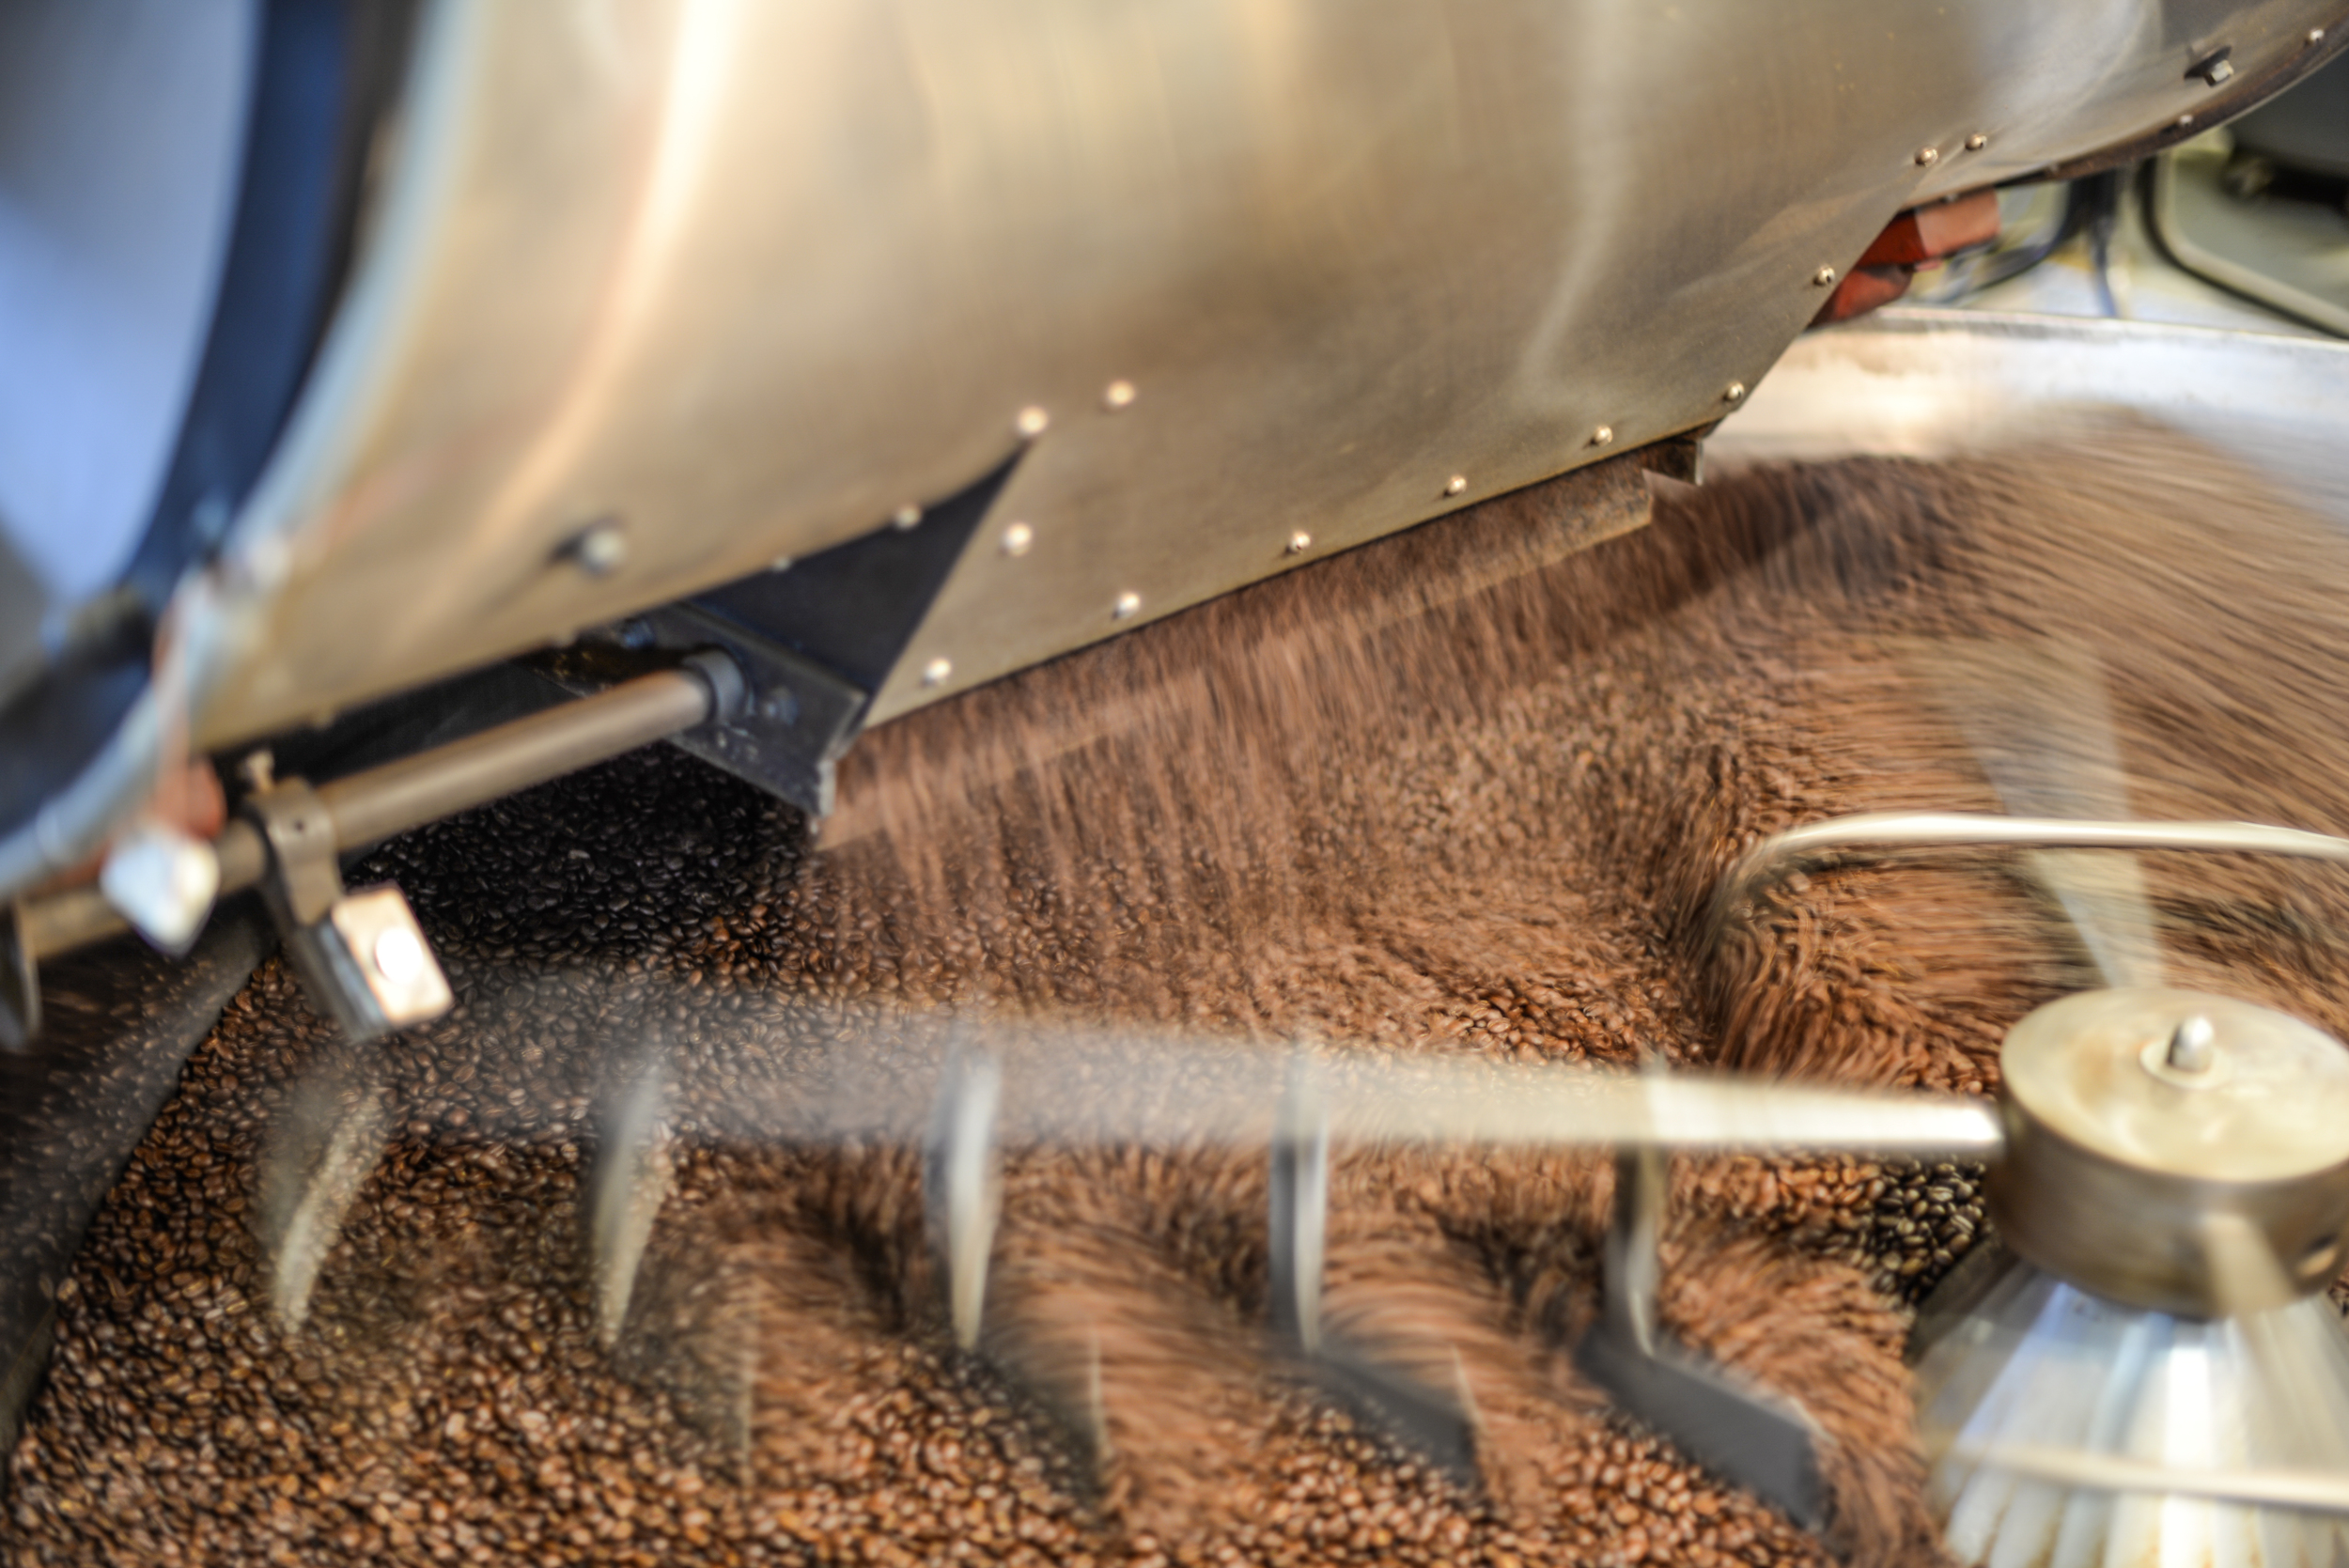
(2066, 1431)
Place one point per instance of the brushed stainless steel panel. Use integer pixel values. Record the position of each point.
(1936, 383)
(749, 277)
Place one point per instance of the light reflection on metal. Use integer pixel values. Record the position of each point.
(1841, 838)
(2065, 1430)
(2318, 1491)
(617, 321)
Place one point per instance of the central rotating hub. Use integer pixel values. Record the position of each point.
(2175, 1150)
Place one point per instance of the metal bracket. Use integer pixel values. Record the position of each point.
(362, 956)
(1764, 1443)
(1300, 1221)
(631, 1177)
(796, 721)
(305, 879)
(1424, 1420)
(814, 640)
(962, 1188)
(328, 1140)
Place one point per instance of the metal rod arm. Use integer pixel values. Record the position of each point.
(1844, 838)
(2313, 1491)
(1564, 1107)
(371, 806)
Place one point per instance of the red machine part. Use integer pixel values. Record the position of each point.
(1919, 238)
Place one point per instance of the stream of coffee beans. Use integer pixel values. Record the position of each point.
(1394, 802)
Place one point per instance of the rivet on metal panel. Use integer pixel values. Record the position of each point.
(906, 517)
(2314, 36)
(1733, 393)
(1976, 142)
(1301, 542)
(1928, 156)
(1016, 538)
(1603, 436)
(936, 672)
(1127, 608)
(1823, 278)
(598, 549)
(1033, 422)
(1118, 395)
(1455, 484)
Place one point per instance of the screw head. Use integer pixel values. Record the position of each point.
(1301, 542)
(906, 517)
(1118, 395)
(1603, 436)
(1455, 484)
(1928, 156)
(1016, 538)
(1733, 393)
(1976, 142)
(936, 672)
(2314, 36)
(1129, 605)
(2193, 1046)
(599, 548)
(1823, 278)
(1033, 422)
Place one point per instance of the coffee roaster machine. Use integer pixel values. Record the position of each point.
(406, 401)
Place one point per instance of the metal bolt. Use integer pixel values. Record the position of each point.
(2213, 69)
(598, 548)
(936, 672)
(1033, 422)
(1301, 542)
(906, 517)
(1127, 607)
(1455, 484)
(1603, 436)
(1823, 278)
(2194, 1047)
(1976, 142)
(1928, 156)
(1016, 538)
(1118, 395)
(1733, 393)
